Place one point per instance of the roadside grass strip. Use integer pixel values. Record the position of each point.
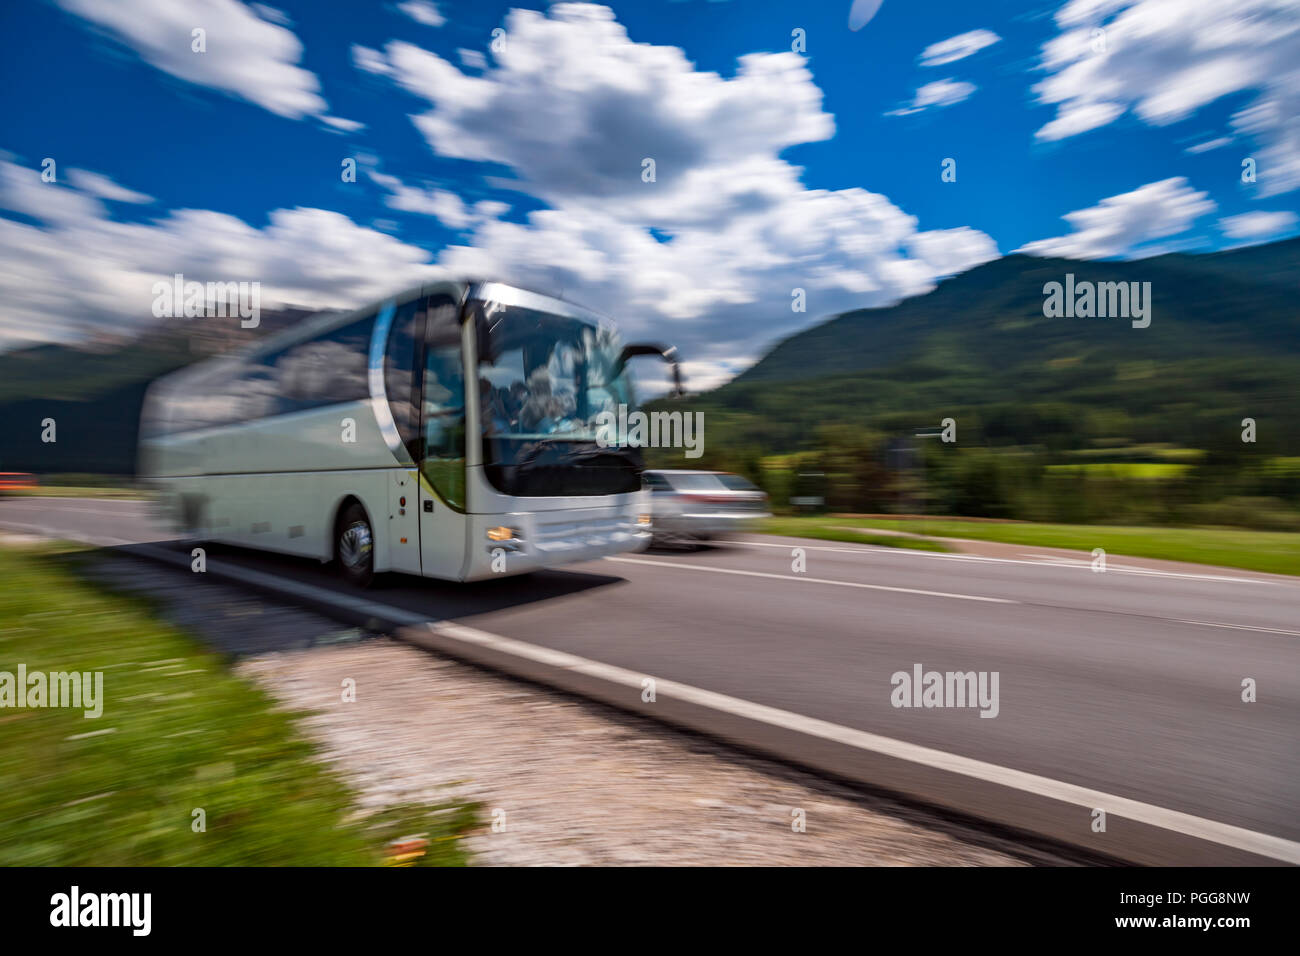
(178, 733)
(1273, 552)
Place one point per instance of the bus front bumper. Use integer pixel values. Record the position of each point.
(527, 542)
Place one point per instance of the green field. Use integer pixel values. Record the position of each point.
(1151, 470)
(1270, 551)
(81, 485)
(797, 527)
(74, 491)
(178, 732)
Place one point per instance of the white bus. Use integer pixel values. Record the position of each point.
(447, 432)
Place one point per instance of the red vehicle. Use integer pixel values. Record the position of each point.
(16, 481)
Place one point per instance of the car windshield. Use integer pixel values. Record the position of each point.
(737, 483)
(696, 481)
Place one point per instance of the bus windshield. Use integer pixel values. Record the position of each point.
(543, 379)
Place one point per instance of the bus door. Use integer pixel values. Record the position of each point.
(441, 458)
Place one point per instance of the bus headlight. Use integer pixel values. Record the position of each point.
(502, 533)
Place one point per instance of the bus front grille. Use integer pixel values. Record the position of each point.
(557, 537)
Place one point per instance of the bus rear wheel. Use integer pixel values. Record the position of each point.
(354, 546)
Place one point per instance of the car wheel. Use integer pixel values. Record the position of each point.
(354, 547)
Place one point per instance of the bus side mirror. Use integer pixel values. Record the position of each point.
(667, 353)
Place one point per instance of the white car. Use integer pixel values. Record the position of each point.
(699, 505)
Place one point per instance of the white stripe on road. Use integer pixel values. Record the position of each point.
(1235, 627)
(1058, 562)
(1068, 562)
(808, 580)
(964, 597)
(1213, 831)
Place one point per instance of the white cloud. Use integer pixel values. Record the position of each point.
(1165, 59)
(939, 93)
(422, 11)
(939, 248)
(572, 106)
(861, 12)
(343, 125)
(958, 47)
(1073, 120)
(370, 61)
(23, 191)
(81, 271)
(272, 14)
(445, 206)
(1257, 225)
(1217, 143)
(472, 58)
(102, 186)
(1120, 224)
(247, 56)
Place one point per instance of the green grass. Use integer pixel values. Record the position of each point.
(1146, 451)
(185, 734)
(1149, 470)
(820, 527)
(74, 491)
(1270, 551)
(81, 485)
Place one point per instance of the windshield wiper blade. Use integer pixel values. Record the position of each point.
(599, 451)
(588, 449)
(530, 452)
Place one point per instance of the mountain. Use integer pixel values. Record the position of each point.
(94, 392)
(1223, 344)
(1232, 300)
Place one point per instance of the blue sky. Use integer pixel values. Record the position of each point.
(818, 169)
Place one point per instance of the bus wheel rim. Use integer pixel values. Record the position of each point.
(355, 544)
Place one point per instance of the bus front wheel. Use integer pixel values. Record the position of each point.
(354, 546)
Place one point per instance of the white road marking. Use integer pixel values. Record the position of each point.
(1201, 828)
(967, 597)
(1236, 627)
(1054, 562)
(808, 580)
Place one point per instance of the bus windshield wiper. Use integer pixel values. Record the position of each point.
(588, 448)
(599, 451)
(529, 454)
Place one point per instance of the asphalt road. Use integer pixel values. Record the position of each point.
(1128, 682)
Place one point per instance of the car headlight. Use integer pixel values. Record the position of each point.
(643, 521)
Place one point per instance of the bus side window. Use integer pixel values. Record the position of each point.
(443, 404)
(330, 369)
(399, 363)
